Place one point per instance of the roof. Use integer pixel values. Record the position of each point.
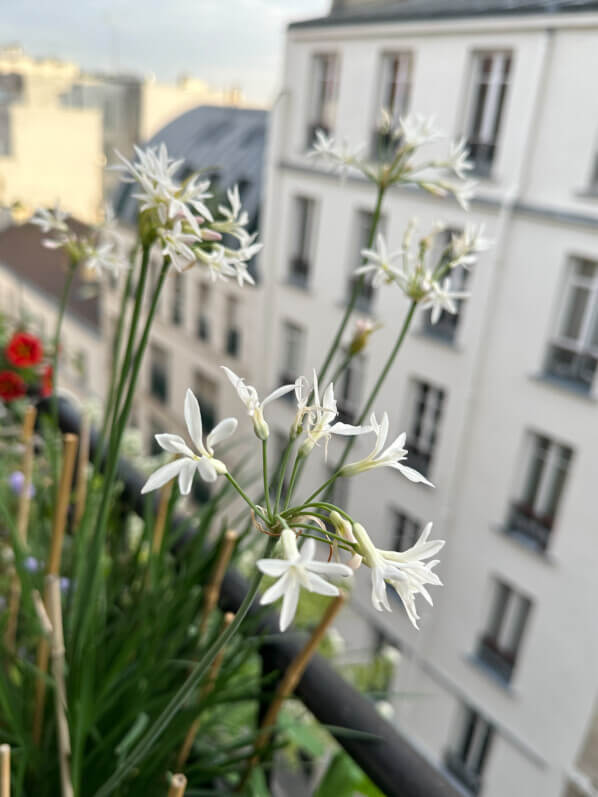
(22, 252)
(227, 143)
(421, 10)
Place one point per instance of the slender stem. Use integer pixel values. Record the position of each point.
(186, 689)
(265, 475)
(282, 470)
(357, 287)
(331, 508)
(245, 497)
(324, 535)
(380, 381)
(323, 487)
(298, 460)
(66, 292)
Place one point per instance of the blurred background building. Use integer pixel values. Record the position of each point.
(499, 401)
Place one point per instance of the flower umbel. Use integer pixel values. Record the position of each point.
(185, 467)
(297, 569)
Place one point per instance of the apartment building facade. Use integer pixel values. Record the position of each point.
(498, 402)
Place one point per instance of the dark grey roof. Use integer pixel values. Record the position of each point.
(419, 10)
(227, 143)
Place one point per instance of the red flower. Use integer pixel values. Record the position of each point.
(24, 350)
(12, 386)
(47, 382)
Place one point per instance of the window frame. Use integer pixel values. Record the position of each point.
(421, 457)
(382, 143)
(317, 100)
(302, 232)
(475, 734)
(288, 374)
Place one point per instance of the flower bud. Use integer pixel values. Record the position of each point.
(363, 330)
(260, 427)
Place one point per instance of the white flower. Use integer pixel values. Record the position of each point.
(250, 399)
(380, 262)
(185, 467)
(392, 457)
(406, 572)
(457, 159)
(102, 258)
(441, 298)
(463, 193)
(465, 245)
(302, 394)
(176, 245)
(415, 130)
(320, 417)
(235, 218)
(339, 157)
(298, 569)
(51, 220)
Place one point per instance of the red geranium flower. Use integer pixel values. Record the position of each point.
(24, 350)
(47, 381)
(12, 386)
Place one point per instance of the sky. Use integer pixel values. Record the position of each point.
(224, 42)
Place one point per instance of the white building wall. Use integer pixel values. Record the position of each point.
(545, 156)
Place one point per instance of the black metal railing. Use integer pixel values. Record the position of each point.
(381, 751)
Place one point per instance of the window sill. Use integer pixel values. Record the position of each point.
(522, 542)
(442, 340)
(564, 386)
(491, 675)
(590, 192)
(296, 286)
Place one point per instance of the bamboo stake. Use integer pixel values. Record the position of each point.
(289, 682)
(60, 514)
(82, 462)
(4, 770)
(178, 784)
(22, 524)
(160, 523)
(64, 741)
(212, 675)
(213, 589)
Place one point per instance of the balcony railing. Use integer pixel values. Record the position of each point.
(383, 753)
(499, 661)
(534, 529)
(574, 368)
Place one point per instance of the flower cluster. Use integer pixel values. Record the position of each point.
(399, 159)
(422, 281)
(177, 215)
(97, 252)
(408, 573)
(22, 367)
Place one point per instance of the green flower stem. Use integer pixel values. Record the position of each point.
(282, 469)
(380, 381)
(326, 484)
(330, 508)
(294, 472)
(64, 299)
(246, 498)
(266, 482)
(320, 538)
(357, 287)
(143, 748)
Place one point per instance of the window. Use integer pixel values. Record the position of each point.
(178, 300)
(324, 95)
(425, 419)
(233, 330)
(491, 72)
(206, 392)
(303, 235)
(532, 515)
(467, 758)
(292, 353)
(406, 531)
(573, 352)
(395, 91)
(447, 324)
(349, 387)
(203, 319)
(159, 373)
(499, 645)
(363, 226)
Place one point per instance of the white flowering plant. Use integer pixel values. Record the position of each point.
(304, 542)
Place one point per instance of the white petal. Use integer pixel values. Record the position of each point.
(222, 431)
(186, 476)
(280, 391)
(289, 605)
(232, 376)
(276, 591)
(272, 567)
(320, 585)
(412, 474)
(308, 550)
(329, 568)
(348, 429)
(163, 475)
(206, 469)
(173, 443)
(193, 419)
